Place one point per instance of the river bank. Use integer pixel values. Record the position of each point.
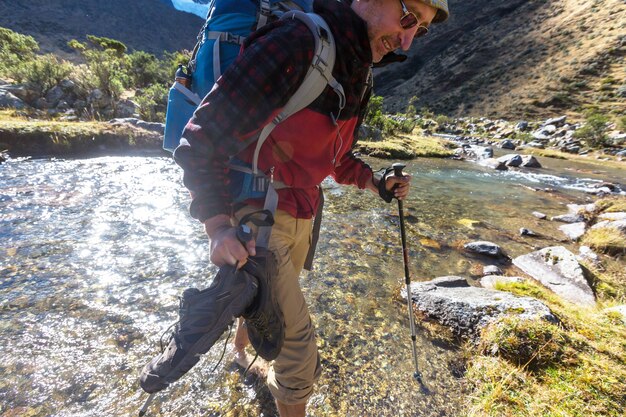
(113, 245)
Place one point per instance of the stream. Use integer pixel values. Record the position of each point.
(95, 252)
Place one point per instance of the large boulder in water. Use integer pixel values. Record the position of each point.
(557, 269)
(529, 161)
(466, 310)
(511, 160)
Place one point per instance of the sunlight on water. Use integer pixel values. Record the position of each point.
(96, 252)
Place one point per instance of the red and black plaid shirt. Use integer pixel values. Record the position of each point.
(306, 147)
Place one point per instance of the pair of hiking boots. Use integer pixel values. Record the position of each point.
(205, 315)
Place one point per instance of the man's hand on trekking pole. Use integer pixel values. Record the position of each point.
(390, 186)
(225, 247)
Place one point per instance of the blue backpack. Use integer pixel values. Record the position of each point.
(228, 24)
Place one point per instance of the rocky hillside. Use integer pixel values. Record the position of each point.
(149, 25)
(516, 58)
(508, 59)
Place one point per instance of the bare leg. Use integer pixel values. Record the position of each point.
(240, 342)
(297, 410)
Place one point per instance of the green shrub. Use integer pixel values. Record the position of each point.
(14, 50)
(43, 72)
(594, 130)
(144, 69)
(105, 68)
(152, 103)
(108, 44)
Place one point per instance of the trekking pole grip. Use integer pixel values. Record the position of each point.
(397, 169)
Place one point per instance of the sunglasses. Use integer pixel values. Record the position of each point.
(409, 21)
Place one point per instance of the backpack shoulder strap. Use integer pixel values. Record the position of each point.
(317, 78)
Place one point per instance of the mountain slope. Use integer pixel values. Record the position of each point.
(515, 58)
(149, 25)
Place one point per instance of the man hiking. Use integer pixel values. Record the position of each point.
(299, 153)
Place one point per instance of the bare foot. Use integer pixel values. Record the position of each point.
(259, 368)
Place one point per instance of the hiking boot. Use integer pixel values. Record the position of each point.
(264, 318)
(203, 317)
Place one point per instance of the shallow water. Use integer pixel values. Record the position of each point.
(95, 252)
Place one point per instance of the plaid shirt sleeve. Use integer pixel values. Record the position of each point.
(272, 65)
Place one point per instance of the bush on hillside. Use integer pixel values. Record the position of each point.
(42, 72)
(15, 49)
(152, 103)
(106, 69)
(389, 125)
(145, 69)
(594, 130)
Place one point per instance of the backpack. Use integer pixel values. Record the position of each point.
(228, 24)
(219, 43)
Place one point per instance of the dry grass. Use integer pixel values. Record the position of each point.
(605, 239)
(528, 369)
(406, 147)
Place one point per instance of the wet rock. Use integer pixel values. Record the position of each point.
(41, 103)
(529, 161)
(611, 224)
(511, 160)
(493, 164)
(539, 215)
(507, 144)
(491, 270)
(371, 133)
(483, 247)
(573, 231)
(548, 130)
(10, 101)
(484, 152)
(581, 208)
(54, 96)
(527, 232)
(491, 280)
(557, 121)
(152, 126)
(535, 144)
(126, 108)
(608, 185)
(522, 126)
(22, 92)
(557, 269)
(612, 216)
(586, 254)
(568, 218)
(466, 310)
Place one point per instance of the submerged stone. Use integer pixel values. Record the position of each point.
(483, 247)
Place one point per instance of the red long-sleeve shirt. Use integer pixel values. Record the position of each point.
(302, 150)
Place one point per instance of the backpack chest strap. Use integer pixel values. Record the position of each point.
(221, 37)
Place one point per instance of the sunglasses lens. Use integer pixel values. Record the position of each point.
(408, 21)
(421, 31)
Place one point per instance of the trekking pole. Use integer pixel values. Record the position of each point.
(143, 410)
(397, 170)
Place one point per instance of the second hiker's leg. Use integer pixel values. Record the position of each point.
(240, 342)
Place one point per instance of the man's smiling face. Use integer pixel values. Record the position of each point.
(384, 29)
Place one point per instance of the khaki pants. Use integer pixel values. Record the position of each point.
(296, 369)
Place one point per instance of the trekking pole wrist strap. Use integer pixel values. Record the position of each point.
(381, 177)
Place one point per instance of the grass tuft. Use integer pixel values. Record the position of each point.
(526, 368)
(605, 239)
